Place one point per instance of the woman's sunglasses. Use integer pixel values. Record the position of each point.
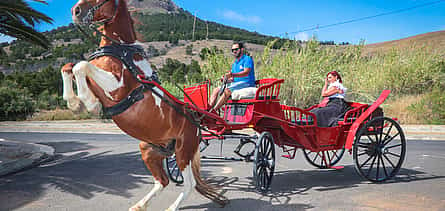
(235, 49)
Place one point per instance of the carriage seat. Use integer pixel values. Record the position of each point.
(246, 93)
(266, 89)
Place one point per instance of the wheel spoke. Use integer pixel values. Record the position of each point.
(397, 145)
(335, 154)
(372, 164)
(360, 154)
(393, 154)
(370, 138)
(269, 151)
(363, 145)
(369, 158)
(378, 168)
(389, 140)
(389, 160)
(315, 158)
(388, 132)
(329, 157)
(383, 165)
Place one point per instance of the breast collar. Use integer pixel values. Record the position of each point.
(125, 53)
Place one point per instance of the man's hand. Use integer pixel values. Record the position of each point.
(229, 76)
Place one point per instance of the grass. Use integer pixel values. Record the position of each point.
(407, 73)
(59, 114)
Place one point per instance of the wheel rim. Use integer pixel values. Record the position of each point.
(172, 169)
(323, 159)
(264, 163)
(379, 149)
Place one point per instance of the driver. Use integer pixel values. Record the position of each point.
(241, 76)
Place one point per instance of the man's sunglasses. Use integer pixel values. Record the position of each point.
(235, 49)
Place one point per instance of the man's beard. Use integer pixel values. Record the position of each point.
(237, 55)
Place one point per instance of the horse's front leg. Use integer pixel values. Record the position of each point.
(81, 70)
(73, 102)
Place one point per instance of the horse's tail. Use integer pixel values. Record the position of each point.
(202, 187)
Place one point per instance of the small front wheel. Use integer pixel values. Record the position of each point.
(379, 149)
(323, 159)
(264, 161)
(172, 169)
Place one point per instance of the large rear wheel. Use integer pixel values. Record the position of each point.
(323, 159)
(264, 161)
(379, 149)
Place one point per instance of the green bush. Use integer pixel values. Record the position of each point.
(15, 103)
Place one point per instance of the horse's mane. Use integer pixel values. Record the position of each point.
(125, 10)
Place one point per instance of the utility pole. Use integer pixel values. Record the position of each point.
(207, 35)
(193, 33)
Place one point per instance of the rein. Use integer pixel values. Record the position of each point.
(88, 21)
(125, 53)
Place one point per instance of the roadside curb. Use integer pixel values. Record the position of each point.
(16, 156)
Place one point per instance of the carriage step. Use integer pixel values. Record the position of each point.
(337, 167)
(287, 156)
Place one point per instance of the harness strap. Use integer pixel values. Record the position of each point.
(136, 95)
(167, 151)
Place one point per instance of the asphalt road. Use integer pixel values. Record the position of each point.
(105, 172)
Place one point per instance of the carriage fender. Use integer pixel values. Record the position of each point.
(361, 118)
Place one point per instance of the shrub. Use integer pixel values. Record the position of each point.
(15, 103)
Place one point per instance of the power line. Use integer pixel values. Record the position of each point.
(365, 18)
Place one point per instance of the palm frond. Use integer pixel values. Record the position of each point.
(17, 19)
(23, 32)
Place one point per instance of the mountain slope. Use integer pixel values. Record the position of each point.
(432, 40)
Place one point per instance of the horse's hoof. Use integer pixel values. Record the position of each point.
(135, 208)
(68, 67)
(170, 209)
(74, 105)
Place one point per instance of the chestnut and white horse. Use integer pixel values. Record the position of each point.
(109, 79)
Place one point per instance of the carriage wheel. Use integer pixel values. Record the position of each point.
(172, 169)
(264, 161)
(379, 149)
(323, 159)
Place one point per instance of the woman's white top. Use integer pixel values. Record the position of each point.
(339, 86)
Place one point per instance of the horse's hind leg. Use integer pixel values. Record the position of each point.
(189, 184)
(153, 161)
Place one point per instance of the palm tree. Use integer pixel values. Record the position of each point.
(17, 19)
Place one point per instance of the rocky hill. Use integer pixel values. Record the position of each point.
(153, 6)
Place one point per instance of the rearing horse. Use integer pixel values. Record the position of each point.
(112, 77)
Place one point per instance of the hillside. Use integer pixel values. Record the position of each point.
(431, 40)
(158, 21)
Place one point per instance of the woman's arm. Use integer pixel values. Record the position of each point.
(331, 91)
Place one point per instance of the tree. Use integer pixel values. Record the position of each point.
(18, 19)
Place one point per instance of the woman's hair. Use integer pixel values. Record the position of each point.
(335, 73)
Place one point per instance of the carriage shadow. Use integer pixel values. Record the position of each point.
(300, 182)
(78, 172)
(252, 204)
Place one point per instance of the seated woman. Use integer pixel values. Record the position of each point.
(334, 90)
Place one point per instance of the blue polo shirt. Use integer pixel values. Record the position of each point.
(238, 66)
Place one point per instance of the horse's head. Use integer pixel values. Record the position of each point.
(89, 11)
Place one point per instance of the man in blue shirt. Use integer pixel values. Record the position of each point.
(241, 76)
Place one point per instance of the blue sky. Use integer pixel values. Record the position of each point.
(291, 17)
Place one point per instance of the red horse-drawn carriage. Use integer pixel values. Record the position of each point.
(377, 142)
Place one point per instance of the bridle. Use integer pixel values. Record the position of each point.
(88, 21)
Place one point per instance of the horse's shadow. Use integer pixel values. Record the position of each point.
(77, 172)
